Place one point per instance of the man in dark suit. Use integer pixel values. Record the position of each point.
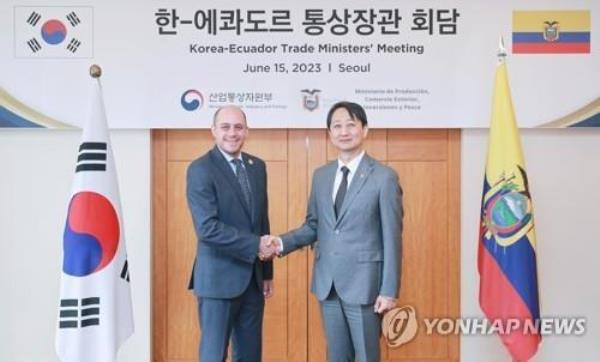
(355, 213)
(227, 197)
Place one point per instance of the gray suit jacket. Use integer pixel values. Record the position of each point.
(360, 252)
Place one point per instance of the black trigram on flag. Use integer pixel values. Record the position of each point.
(73, 18)
(34, 18)
(73, 45)
(92, 157)
(79, 313)
(125, 272)
(34, 45)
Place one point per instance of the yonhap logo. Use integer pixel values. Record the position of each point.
(400, 326)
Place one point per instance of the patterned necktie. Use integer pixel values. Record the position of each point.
(341, 193)
(242, 177)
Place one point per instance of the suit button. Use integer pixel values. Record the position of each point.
(337, 232)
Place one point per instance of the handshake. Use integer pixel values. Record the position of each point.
(269, 247)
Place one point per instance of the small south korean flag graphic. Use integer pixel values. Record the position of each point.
(53, 32)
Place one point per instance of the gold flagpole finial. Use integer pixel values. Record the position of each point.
(95, 71)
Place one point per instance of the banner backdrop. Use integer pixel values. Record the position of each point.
(415, 63)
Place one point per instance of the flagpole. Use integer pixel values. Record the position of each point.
(95, 312)
(508, 285)
(501, 54)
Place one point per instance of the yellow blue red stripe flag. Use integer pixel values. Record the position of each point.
(508, 291)
(551, 32)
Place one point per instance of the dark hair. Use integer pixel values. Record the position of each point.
(355, 110)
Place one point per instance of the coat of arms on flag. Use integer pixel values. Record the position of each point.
(53, 32)
(95, 312)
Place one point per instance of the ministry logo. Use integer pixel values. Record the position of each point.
(191, 100)
(53, 32)
(310, 99)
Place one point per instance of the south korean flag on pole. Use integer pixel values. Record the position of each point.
(95, 313)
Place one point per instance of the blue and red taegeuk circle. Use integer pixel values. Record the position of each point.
(91, 236)
(54, 32)
(191, 100)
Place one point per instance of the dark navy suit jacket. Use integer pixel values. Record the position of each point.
(228, 231)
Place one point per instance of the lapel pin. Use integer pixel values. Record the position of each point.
(250, 162)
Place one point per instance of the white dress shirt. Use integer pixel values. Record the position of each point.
(230, 158)
(339, 175)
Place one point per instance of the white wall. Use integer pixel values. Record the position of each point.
(564, 173)
(36, 171)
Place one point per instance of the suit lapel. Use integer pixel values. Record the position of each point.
(229, 175)
(362, 173)
(327, 184)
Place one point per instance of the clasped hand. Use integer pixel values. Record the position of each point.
(269, 247)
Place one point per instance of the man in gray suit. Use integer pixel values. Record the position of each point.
(227, 197)
(355, 213)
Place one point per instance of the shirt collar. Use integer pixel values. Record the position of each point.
(229, 157)
(352, 165)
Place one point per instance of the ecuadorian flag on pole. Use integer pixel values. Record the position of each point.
(551, 32)
(508, 290)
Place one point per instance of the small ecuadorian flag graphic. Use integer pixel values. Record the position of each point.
(551, 32)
